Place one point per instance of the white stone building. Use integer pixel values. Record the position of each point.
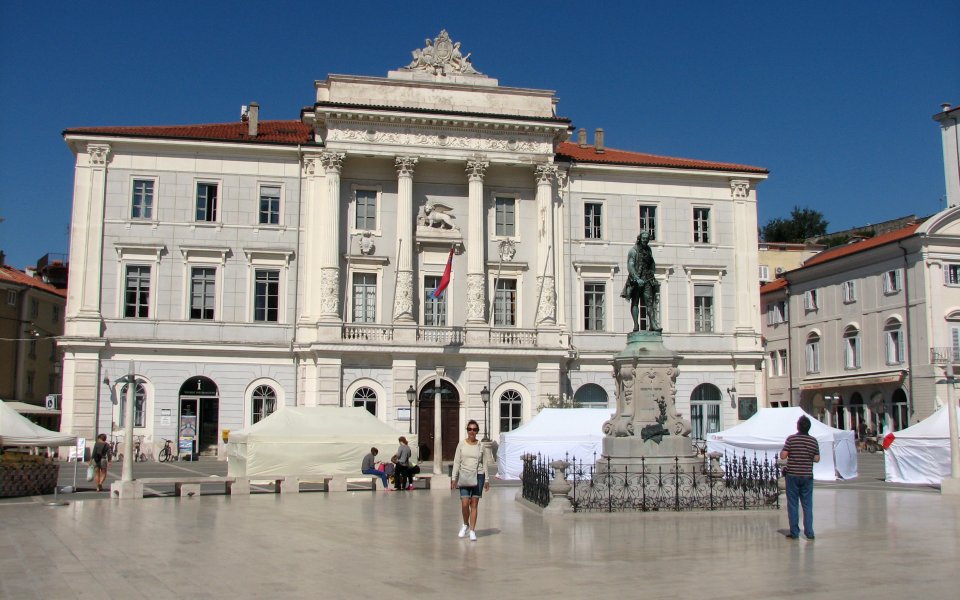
(247, 266)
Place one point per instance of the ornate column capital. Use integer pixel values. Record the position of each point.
(546, 174)
(311, 162)
(332, 161)
(739, 188)
(405, 165)
(476, 169)
(99, 154)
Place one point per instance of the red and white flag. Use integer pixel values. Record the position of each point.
(445, 280)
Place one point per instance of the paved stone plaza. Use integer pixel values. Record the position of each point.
(870, 544)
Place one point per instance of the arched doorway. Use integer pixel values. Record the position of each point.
(858, 416)
(199, 417)
(705, 410)
(449, 419)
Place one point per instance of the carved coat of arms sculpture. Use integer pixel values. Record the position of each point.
(441, 56)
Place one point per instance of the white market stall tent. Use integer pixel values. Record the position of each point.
(17, 430)
(321, 440)
(553, 433)
(920, 453)
(764, 434)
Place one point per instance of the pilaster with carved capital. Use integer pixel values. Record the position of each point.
(325, 217)
(476, 298)
(739, 189)
(99, 154)
(476, 242)
(547, 301)
(403, 302)
(86, 238)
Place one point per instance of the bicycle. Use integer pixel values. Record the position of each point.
(166, 453)
(138, 455)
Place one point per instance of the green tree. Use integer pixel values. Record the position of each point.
(804, 223)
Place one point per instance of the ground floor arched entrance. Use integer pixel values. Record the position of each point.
(449, 420)
(199, 424)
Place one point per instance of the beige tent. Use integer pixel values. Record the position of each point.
(322, 440)
(17, 430)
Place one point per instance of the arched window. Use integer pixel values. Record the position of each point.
(139, 404)
(893, 337)
(591, 395)
(511, 404)
(900, 410)
(851, 347)
(705, 410)
(367, 398)
(264, 402)
(813, 353)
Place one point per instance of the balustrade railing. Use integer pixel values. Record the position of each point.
(367, 333)
(444, 336)
(944, 355)
(513, 337)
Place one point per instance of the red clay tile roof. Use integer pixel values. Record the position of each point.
(269, 132)
(772, 286)
(846, 250)
(14, 275)
(622, 157)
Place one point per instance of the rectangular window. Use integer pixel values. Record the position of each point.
(206, 202)
(592, 220)
(849, 291)
(269, 205)
(505, 303)
(55, 314)
(703, 308)
(891, 282)
(434, 309)
(505, 213)
(594, 295)
(202, 292)
(895, 353)
(34, 308)
(782, 355)
(810, 300)
(774, 365)
(142, 205)
(266, 295)
(852, 352)
(366, 209)
(11, 297)
(955, 343)
(701, 225)
(813, 357)
(704, 419)
(648, 220)
(137, 292)
(952, 274)
(364, 298)
(764, 273)
(776, 312)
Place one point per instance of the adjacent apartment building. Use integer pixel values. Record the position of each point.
(241, 267)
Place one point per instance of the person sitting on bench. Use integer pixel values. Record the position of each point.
(368, 467)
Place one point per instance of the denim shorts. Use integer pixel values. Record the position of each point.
(475, 491)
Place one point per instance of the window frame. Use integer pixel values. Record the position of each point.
(377, 190)
(852, 348)
(515, 313)
(892, 285)
(849, 291)
(702, 227)
(11, 297)
(592, 322)
(811, 300)
(277, 296)
(492, 220)
(642, 224)
(812, 347)
(951, 274)
(147, 305)
(279, 200)
(254, 399)
(598, 229)
(217, 216)
(515, 402)
(894, 342)
(428, 301)
(705, 412)
(698, 322)
(377, 281)
(365, 402)
(782, 357)
(764, 273)
(212, 296)
(134, 180)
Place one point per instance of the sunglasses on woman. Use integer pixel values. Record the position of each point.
(473, 429)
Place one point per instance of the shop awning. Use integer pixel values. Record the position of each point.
(852, 381)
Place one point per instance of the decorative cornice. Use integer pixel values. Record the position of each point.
(406, 165)
(426, 136)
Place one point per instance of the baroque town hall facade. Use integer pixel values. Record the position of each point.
(247, 266)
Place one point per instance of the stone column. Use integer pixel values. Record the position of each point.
(403, 302)
(325, 226)
(86, 241)
(476, 245)
(747, 312)
(437, 425)
(311, 172)
(546, 282)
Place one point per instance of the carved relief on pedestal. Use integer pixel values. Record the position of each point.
(547, 308)
(403, 305)
(621, 425)
(99, 153)
(675, 423)
(476, 298)
(330, 291)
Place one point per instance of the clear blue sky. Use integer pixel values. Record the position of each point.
(835, 98)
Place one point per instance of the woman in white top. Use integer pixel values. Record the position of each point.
(470, 465)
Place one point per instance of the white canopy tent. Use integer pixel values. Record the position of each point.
(553, 433)
(322, 440)
(17, 430)
(921, 453)
(765, 433)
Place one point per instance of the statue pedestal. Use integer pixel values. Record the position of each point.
(646, 428)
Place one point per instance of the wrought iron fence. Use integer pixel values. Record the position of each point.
(728, 482)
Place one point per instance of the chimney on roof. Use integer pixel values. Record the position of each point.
(3, 258)
(598, 140)
(582, 137)
(253, 118)
(945, 107)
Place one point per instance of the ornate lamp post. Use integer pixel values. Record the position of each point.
(411, 398)
(485, 396)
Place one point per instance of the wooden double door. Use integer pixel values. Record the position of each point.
(449, 420)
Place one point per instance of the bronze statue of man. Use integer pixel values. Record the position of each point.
(642, 283)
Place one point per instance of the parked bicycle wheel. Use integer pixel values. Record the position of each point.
(164, 455)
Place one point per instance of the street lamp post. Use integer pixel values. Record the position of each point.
(411, 397)
(951, 485)
(485, 397)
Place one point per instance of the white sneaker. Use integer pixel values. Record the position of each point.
(463, 531)
(473, 535)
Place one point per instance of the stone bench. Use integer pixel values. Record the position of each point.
(426, 478)
(185, 486)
